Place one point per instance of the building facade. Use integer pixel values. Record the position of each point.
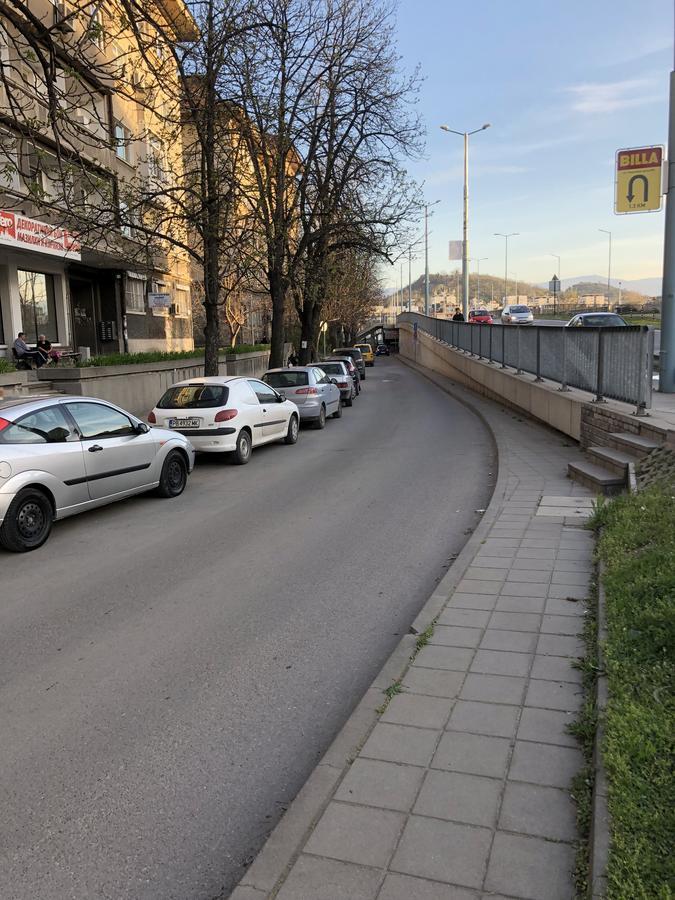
(89, 149)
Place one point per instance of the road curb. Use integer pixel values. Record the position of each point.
(598, 850)
(266, 875)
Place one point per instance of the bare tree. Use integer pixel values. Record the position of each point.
(323, 87)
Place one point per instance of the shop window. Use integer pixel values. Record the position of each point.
(38, 310)
(134, 294)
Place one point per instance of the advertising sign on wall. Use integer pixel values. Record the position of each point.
(17, 230)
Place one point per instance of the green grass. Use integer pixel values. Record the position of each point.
(153, 356)
(6, 365)
(637, 545)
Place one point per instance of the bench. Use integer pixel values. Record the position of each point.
(21, 363)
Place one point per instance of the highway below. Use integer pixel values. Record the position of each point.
(171, 671)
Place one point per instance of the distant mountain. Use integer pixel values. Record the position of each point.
(649, 287)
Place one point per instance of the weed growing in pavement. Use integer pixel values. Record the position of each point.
(423, 639)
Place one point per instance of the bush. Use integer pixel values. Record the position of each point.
(153, 356)
(637, 546)
(6, 365)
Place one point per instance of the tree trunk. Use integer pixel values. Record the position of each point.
(307, 335)
(211, 308)
(278, 288)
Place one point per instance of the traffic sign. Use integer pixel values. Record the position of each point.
(638, 180)
(554, 285)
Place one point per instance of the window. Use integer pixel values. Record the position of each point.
(122, 142)
(156, 159)
(125, 220)
(263, 393)
(95, 29)
(160, 287)
(181, 298)
(46, 426)
(134, 293)
(320, 377)
(95, 420)
(38, 310)
(287, 379)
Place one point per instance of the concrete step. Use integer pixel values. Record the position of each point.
(632, 443)
(615, 461)
(597, 478)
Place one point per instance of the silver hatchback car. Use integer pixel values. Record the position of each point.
(60, 456)
(313, 392)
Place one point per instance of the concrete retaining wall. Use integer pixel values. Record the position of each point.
(560, 410)
(138, 387)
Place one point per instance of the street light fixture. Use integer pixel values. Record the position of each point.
(427, 207)
(555, 256)
(465, 231)
(609, 266)
(506, 256)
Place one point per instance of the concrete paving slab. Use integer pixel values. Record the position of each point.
(405, 887)
(554, 695)
(433, 682)
(472, 754)
(456, 636)
(545, 764)
(514, 621)
(520, 604)
(417, 711)
(547, 726)
(436, 656)
(518, 641)
(402, 744)
(493, 688)
(382, 784)
(493, 719)
(496, 662)
(555, 668)
(445, 851)
(538, 811)
(457, 797)
(570, 625)
(314, 878)
(530, 867)
(356, 834)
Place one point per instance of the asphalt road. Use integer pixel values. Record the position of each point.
(171, 671)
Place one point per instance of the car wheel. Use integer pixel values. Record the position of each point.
(174, 475)
(28, 522)
(321, 421)
(363, 376)
(292, 433)
(242, 453)
(350, 400)
(338, 412)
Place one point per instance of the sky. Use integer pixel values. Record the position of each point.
(564, 85)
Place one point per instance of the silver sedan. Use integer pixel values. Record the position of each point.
(62, 456)
(313, 392)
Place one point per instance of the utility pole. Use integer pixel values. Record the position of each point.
(465, 218)
(426, 254)
(410, 279)
(478, 261)
(506, 257)
(667, 360)
(609, 267)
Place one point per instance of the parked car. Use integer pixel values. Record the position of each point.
(596, 320)
(480, 316)
(367, 353)
(356, 355)
(314, 393)
(63, 456)
(351, 366)
(227, 414)
(339, 371)
(516, 314)
(382, 350)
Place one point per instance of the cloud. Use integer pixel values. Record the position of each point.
(604, 97)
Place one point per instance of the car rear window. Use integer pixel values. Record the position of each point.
(349, 351)
(333, 368)
(364, 348)
(286, 379)
(194, 396)
(520, 309)
(479, 312)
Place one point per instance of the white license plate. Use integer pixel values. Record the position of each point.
(184, 423)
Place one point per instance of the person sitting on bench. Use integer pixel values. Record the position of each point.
(45, 348)
(23, 351)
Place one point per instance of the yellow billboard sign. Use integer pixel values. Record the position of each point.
(638, 180)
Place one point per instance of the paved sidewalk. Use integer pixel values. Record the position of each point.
(461, 790)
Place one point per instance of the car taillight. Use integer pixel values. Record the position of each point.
(307, 391)
(4, 424)
(152, 418)
(342, 384)
(225, 415)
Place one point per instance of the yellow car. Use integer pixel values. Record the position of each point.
(366, 353)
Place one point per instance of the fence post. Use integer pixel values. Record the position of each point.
(563, 384)
(503, 365)
(480, 341)
(519, 371)
(601, 361)
(538, 375)
(645, 368)
(490, 345)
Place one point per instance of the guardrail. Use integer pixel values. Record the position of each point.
(609, 362)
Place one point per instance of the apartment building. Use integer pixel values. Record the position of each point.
(90, 145)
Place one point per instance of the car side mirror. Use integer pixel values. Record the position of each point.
(142, 428)
(280, 399)
(334, 381)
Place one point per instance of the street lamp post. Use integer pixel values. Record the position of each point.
(465, 227)
(555, 256)
(609, 266)
(409, 279)
(426, 254)
(478, 260)
(506, 256)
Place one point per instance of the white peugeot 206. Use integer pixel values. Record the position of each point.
(229, 414)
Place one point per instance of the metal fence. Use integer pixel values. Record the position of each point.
(609, 362)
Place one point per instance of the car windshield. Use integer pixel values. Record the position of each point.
(520, 309)
(194, 396)
(600, 321)
(290, 379)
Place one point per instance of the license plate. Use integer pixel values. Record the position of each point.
(184, 423)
